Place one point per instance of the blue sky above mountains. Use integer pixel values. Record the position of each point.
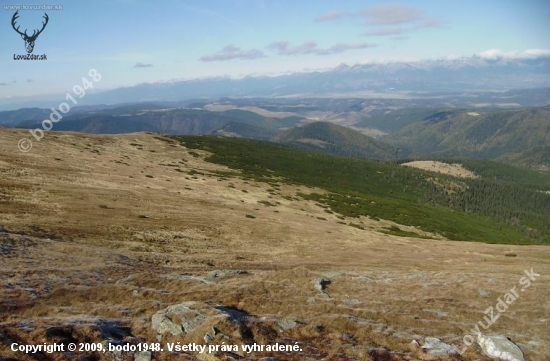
(131, 41)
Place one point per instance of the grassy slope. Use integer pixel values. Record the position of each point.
(386, 190)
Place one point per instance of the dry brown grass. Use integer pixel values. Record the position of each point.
(456, 170)
(89, 236)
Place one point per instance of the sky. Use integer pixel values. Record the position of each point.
(133, 41)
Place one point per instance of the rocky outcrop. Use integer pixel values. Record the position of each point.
(216, 323)
(436, 347)
(177, 319)
(500, 347)
(282, 323)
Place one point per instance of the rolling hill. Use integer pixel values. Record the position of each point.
(517, 136)
(335, 139)
(154, 118)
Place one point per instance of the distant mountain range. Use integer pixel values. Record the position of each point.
(465, 74)
(457, 75)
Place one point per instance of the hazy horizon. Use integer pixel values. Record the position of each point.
(133, 42)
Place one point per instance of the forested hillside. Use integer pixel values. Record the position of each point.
(154, 118)
(518, 136)
(495, 208)
(335, 139)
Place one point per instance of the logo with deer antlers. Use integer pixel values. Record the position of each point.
(29, 40)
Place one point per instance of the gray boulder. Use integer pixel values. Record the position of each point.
(177, 319)
(286, 324)
(500, 347)
(282, 324)
(143, 356)
(436, 347)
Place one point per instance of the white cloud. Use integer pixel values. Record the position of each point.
(342, 47)
(311, 47)
(284, 48)
(385, 31)
(391, 14)
(142, 65)
(331, 15)
(536, 53)
(231, 52)
(494, 54)
(388, 19)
